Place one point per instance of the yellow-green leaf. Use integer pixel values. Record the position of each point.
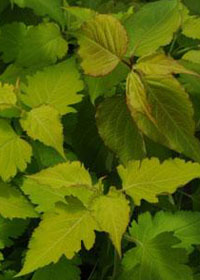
(150, 178)
(103, 43)
(43, 124)
(111, 212)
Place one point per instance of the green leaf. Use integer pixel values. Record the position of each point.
(155, 256)
(103, 43)
(11, 229)
(76, 16)
(105, 86)
(152, 26)
(60, 234)
(111, 212)
(11, 38)
(193, 56)
(43, 124)
(118, 129)
(191, 28)
(63, 270)
(150, 178)
(160, 64)
(13, 204)
(51, 8)
(43, 45)
(8, 100)
(185, 225)
(163, 111)
(15, 152)
(56, 86)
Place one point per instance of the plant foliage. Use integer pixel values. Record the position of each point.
(99, 139)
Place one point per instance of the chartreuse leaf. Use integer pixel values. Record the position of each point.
(118, 129)
(111, 212)
(43, 45)
(56, 86)
(152, 26)
(155, 256)
(51, 8)
(11, 38)
(103, 43)
(8, 100)
(58, 181)
(63, 175)
(160, 64)
(42, 195)
(15, 152)
(163, 111)
(43, 124)
(191, 27)
(150, 178)
(13, 204)
(60, 234)
(193, 56)
(63, 270)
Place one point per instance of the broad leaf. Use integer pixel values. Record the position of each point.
(103, 43)
(11, 38)
(152, 26)
(163, 112)
(13, 204)
(193, 56)
(43, 45)
(118, 129)
(160, 64)
(51, 8)
(63, 270)
(56, 86)
(15, 153)
(111, 212)
(150, 178)
(155, 256)
(43, 124)
(191, 28)
(60, 234)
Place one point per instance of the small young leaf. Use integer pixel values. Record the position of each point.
(191, 28)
